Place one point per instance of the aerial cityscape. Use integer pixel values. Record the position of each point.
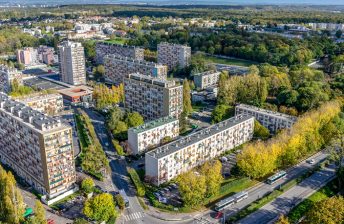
(161, 112)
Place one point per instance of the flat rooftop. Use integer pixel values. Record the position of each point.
(42, 84)
(264, 111)
(152, 124)
(76, 91)
(27, 115)
(198, 136)
(135, 61)
(207, 73)
(152, 80)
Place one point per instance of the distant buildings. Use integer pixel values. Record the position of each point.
(151, 134)
(27, 56)
(116, 68)
(50, 104)
(37, 147)
(105, 48)
(77, 94)
(7, 75)
(206, 79)
(167, 162)
(153, 98)
(273, 121)
(46, 55)
(174, 55)
(72, 63)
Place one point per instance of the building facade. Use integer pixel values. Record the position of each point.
(37, 147)
(174, 55)
(167, 162)
(116, 68)
(46, 55)
(273, 121)
(152, 134)
(7, 76)
(27, 56)
(153, 98)
(72, 63)
(104, 48)
(206, 79)
(50, 104)
(77, 94)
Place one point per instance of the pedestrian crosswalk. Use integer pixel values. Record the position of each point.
(133, 216)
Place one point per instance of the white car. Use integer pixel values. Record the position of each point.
(311, 161)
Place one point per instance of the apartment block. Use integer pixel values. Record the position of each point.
(167, 162)
(72, 63)
(206, 79)
(273, 121)
(7, 75)
(27, 56)
(174, 55)
(50, 104)
(152, 134)
(46, 55)
(37, 147)
(153, 98)
(105, 48)
(117, 67)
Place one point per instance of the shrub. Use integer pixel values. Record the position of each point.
(137, 182)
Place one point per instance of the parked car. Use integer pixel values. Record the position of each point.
(141, 165)
(219, 215)
(311, 161)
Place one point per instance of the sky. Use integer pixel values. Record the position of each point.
(175, 2)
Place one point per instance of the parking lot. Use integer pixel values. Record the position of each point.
(72, 208)
(169, 195)
(228, 162)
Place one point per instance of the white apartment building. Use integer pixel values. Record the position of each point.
(105, 48)
(116, 68)
(151, 134)
(7, 75)
(72, 63)
(174, 55)
(28, 56)
(206, 79)
(167, 162)
(153, 98)
(38, 148)
(273, 121)
(50, 104)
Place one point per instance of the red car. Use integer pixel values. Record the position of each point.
(219, 215)
(50, 221)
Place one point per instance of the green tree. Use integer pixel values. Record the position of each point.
(12, 206)
(187, 108)
(328, 211)
(39, 214)
(283, 220)
(134, 119)
(192, 188)
(87, 185)
(260, 131)
(80, 221)
(222, 93)
(213, 176)
(221, 112)
(120, 201)
(100, 208)
(120, 131)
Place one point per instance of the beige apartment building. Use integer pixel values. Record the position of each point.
(272, 120)
(174, 55)
(50, 104)
(105, 48)
(38, 148)
(168, 161)
(151, 134)
(117, 67)
(153, 98)
(72, 63)
(7, 75)
(206, 79)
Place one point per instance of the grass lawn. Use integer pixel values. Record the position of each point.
(299, 211)
(227, 61)
(118, 40)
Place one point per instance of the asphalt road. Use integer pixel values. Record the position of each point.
(262, 189)
(285, 202)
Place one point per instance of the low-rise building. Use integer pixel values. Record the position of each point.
(174, 55)
(206, 79)
(152, 134)
(7, 76)
(272, 120)
(106, 48)
(50, 104)
(38, 148)
(116, 68)
(153, 98)
(168, 161)
(77, 94)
